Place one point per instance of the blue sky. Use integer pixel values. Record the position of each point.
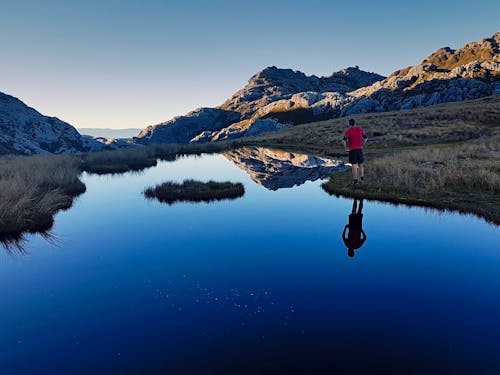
(120, 64)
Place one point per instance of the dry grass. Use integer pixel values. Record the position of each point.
(463, 177)
(472, 166)
(195, 191)
(33, 188)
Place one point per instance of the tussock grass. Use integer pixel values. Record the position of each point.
(118, 161)
(463, 177)
(194, 191)
(33, 188)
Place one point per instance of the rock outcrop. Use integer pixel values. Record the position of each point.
(23, 130)
(272, 84)
(240, 115)
(275, 169)
(470, 72)
(183, 129)
(277, 98)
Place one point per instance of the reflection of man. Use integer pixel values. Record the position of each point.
(356, 236)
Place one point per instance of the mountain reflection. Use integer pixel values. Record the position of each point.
(274, 169)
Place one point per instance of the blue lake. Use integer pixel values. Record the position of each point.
(261, 284)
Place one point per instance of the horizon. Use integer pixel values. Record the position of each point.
(117, 66)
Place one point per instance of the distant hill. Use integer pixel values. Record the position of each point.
(275, 98)
(110, 133)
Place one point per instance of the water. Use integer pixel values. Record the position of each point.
(260, 284)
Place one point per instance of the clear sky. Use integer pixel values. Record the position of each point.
(118, 64)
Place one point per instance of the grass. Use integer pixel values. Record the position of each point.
(195, 191)
(32, 189)
(465, 178)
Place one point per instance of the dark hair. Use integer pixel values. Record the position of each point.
(351, 122)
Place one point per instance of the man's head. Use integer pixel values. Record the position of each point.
(351, 122)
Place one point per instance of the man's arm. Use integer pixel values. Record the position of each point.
(344, 142)
(343, 233)
(365, 139)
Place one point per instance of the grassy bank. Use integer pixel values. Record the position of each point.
(445, 156)
(463, 177)
(195, 191)
(392, 131)
(32, 189)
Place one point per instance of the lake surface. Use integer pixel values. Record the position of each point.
(260, 284)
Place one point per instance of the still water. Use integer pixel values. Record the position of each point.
(261, 284)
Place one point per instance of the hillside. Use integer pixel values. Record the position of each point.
(387, 131)
(275, 98)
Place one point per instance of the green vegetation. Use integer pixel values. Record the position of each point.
(195, 191)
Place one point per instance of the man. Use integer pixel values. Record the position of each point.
(356, 236)
(354, 140)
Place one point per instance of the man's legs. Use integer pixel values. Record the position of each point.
(354, 206)
(360, 209)
(361, 171)
(355, 172)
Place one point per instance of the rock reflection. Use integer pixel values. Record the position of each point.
(275, 169)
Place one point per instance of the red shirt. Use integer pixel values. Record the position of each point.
(355, 137)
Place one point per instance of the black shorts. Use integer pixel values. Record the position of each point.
(356, 156)
(355, 221)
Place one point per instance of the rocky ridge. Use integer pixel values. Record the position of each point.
(284, 97)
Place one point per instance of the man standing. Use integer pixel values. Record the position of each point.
(354, 140)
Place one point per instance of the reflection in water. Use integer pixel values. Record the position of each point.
(15, 244)
(274, 169)
(356, 236)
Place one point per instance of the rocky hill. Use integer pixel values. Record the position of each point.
(272, 84)
(275, 98)
(470, 72)
(23, 130)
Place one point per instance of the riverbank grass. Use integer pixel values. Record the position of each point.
(463, 177)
